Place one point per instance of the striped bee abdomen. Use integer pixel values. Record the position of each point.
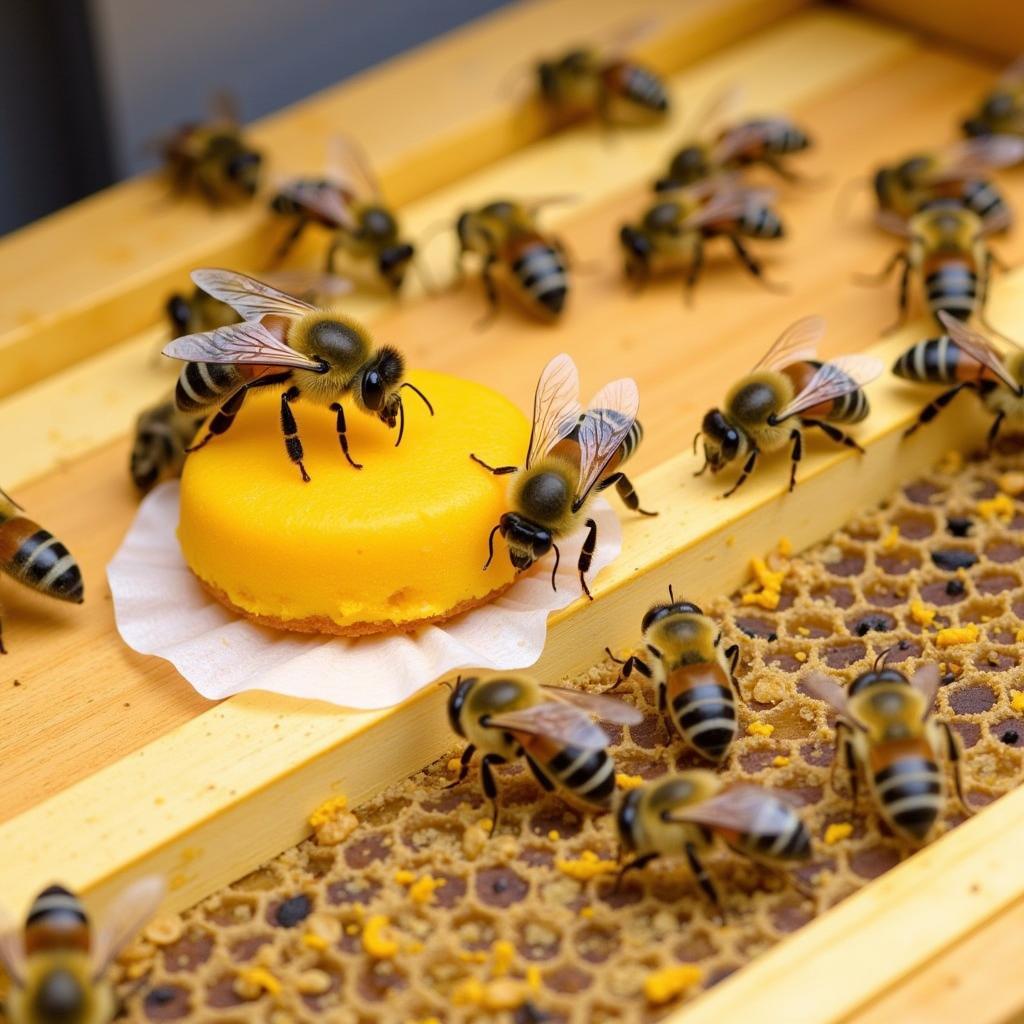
(849, 408)
(703, 707)
(777, 834)
(34, 557)
(936, 361)
(952, 286)
(56, 921)
(983, 198)
(761, 221)
(540, 272)
(588, 774)
(642, 87)
(909, 791)
(202, 385)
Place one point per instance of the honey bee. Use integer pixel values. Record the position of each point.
(505, 234)
(348, 203)
(162, 436)
(947, 251)
(672, 233)
(584, 82)
(213, 157)
(317, 353)
(571, 454)
(1002, 110)
(969, 361)
(34, 557)
(56, 962)
(684, 812)
(693, 674)
(885, 729)
(788, 383)
(957, 172)
(506, 716)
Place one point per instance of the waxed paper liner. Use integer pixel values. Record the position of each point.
(161, 609)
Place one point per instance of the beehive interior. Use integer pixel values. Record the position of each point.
(509, 934)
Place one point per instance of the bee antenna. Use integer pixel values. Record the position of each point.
(671, 596)
(881, 659)
(426, 401)
(490, 546)
(445, 682)
(696, 438)
(401, 421)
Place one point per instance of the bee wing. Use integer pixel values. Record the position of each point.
(926, 681)
(534, 206)
(12, 949)
(605, 424)
(4, 494)
(555, 720)
(556, 406)
(726, 203)
(329, 203)
(978, 347)
(716, 107)
(825, 688)
(799, 341)
(249, 298)
(128, 912)
(832, 380)
(611, 709)
(889, 220)
(978, 156)
(349, 165)
(740, 808)
(319, 287)
(238, 343)
(743, 136)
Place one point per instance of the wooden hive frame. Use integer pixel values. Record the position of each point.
(221, 789)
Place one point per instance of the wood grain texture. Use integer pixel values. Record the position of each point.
(89, 276)
(679, 357)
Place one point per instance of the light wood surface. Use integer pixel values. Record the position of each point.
(609, 329)
(85, 278)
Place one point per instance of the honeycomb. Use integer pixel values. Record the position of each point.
(409, 912)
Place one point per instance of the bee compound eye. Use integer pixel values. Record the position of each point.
(373, 390)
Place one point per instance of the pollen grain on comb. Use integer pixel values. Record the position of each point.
(953, 635)
(665, 985)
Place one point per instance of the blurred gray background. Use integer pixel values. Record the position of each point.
(85, 84)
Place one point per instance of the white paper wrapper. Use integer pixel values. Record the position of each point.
(161, 609)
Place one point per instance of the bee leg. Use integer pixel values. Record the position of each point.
(871, 280)
(587, 555)
(289, 241)
(903, 300)
(696, 265)
(834, 434)
(223, 419)
(753, 265)
(748, 468)
(545, 783)
(631, 663)
(634, 865)
(627, 493)
(490, 786)
(490, 290)
(496, 470)
(703, 878)
(933, 408)
(290, 429)
(953, 752)
(732, 652)
(342, 437)
(797, 454)
(993, 431)
(467, 756)
(3, 650)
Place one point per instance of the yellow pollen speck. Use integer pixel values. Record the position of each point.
(999, 507)
(314, 941)
(376, 940)
(952, 635)
(780, 761)
(588, 866)
(951, 462)
(260, 978)
(785, 547)
(1011, 483)
(760, 729)
(504, 957)
(800, 655)
(533, 978)
(422, 890)
(587, 912)
(468, 992)
(405, 877)
(837, 831)
(486, 824)
(666, 984)
(624, 781)
(1017, 700)
(891, 538)
(921, 613)
(351, 929)
(803, 630)
(327, 810)
(554, 835)
(1019, 636)
(768, 579)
